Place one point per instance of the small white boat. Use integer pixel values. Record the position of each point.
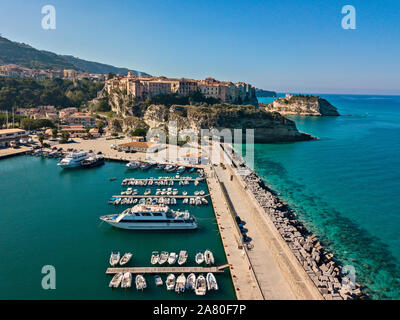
(186, 200)
(126, 280)
(125, 258)
(172, 258)
(155, 257)
(140, 282)
(148, 191)
(180, 283)
(163, 257)
(200, 287)
(191, 281)
(182, 257)
(184, 193)
(170, 282)
(116, 280)
(114, 258)
(201, 192)
(158, 281)
(199, 257)
(208, 257)
(211, 282)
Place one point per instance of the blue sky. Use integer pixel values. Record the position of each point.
(282, 45)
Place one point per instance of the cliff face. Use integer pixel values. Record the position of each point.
(302, 105)
(268, 127)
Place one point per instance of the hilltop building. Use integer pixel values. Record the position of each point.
(143, 87)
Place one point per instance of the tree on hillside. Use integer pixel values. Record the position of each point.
(41, 139)
(55, 132)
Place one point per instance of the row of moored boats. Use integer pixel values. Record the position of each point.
(172, 257)
(161, 181)
(199, 284)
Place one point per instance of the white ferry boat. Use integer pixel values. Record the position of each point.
(151, 217)
(73, 160)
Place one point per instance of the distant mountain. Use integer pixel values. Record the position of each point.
(27, 56)
(96, 67)
(265, 93)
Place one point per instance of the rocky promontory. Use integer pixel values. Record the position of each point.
(269, 127)
(302, 105)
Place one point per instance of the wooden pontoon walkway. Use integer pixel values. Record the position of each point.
(165, 179)
(143, 270)
(140, 196)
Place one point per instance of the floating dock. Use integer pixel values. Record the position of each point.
(140, 196)
(165, 179)
(156, 270)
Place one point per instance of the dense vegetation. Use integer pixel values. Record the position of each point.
(26, 56)
(25, 93)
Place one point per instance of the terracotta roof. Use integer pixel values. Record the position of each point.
(137, 144)
(7, 131)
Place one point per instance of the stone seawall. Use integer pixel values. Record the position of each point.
(327, 275)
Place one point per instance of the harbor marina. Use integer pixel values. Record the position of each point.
(75, 231)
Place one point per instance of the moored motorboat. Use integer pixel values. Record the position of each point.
(211, 282)
(200, 287)
(126, 280)
(208, 257)
(133, 165)
(182, 257)
(73, 160)
(199, 257)
(158, 281)
(155, 257)
(114, 258)
(116, 280)
(93, 161)
(180, 283)
(145, 166)
(151, 217)
(170, 282)
(191, 281)
(181, 169)
(172, 258)
(163, 257)
(125, 258)
(140, 282)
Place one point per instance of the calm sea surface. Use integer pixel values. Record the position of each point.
(346, 186)
(50, 216)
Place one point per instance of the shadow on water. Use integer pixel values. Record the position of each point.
(376, 268)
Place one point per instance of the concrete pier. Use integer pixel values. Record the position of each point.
(157, 270)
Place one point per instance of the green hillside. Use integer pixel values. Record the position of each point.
(26, 56)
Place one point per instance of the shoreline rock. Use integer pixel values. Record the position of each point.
(301, 105)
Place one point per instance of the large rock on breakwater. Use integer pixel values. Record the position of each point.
(326, 274)
(301, 105)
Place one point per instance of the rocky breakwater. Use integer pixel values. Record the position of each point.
(268, 127)
(301, 105)
(328, 276)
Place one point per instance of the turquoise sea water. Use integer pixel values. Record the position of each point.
(346, 186)
(50, 216)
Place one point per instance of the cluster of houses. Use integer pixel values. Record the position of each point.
(71, 120)
(143, 87)
(16, 71)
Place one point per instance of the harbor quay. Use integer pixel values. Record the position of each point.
(308, 268)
